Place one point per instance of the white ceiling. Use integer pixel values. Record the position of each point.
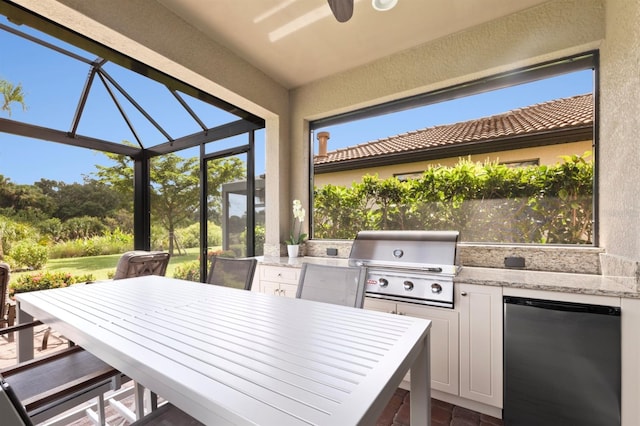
(299, 41)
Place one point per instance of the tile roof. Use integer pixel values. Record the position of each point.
(560, 114)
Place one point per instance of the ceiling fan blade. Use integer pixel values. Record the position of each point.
(342, 9)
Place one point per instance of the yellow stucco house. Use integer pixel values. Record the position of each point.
(538, 134)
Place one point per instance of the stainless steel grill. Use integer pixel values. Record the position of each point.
(408, 266)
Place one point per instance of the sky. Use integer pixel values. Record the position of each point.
(52, 84)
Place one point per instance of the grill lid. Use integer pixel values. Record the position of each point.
(431, 251)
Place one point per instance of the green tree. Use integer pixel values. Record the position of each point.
(175, 186)
(91, 198)
(10, 94)
(174, 192)
(26, 200)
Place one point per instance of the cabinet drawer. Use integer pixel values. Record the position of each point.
(279, 275)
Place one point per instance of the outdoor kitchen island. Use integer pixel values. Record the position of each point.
(474, 379)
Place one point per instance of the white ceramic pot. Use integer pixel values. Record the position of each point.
(293, 250)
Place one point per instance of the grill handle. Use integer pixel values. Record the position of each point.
(359, 262)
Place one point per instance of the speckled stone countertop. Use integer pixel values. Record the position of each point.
(533, 280)
(296, 262)
(551, 281)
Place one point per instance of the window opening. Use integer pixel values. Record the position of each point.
(488, 149)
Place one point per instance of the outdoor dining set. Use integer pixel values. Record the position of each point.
(215, 352)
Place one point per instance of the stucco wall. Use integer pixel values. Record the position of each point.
(619, 135)
(552, 30)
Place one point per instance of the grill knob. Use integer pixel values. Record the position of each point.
(383, 282)
(436, 288)
(408, 285)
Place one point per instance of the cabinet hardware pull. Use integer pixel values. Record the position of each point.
(463, 293)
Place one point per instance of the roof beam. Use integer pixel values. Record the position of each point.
(52, 135)
(221, 132)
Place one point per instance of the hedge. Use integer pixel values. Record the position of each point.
(486, 202)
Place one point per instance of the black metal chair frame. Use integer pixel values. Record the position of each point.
(18, 416)
(7, 311)
(60, 395)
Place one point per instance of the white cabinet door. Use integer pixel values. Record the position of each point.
(444, 339)
(288, 290)
(480, 343)
(280, 281)
(269, 287)
(379, 305)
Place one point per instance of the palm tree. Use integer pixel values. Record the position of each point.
(11, 93)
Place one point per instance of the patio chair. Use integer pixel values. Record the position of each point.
(51, 384)
(340, 285)
(6, 314)
(230, 272)
(13, 412)
(138, 263)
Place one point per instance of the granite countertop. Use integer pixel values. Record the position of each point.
(551, 281)
(533, 280)
(296, 262)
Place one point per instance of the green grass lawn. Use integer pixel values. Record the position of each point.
(101, 266)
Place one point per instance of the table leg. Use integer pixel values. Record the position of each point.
(421, 386)
(24, 342)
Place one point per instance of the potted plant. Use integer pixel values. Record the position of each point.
(297, 236)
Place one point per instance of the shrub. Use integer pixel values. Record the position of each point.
(52, 228)
(191, 270)
(190, 236)
(45, 280)
(487, 202)
(12, 232)
(29, 254)
(82, 227)
(109, 243)
(66, 249)
(221, 253)
(260, 234)
(188, 271)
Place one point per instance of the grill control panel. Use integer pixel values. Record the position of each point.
(424, 289)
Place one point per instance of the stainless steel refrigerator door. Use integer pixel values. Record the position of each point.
(561, 364)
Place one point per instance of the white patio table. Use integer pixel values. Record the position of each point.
(230, 356)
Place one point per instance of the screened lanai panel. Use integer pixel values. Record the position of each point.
(48, 83)
(72, 90)
(157, 114)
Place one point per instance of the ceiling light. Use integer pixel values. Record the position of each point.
(383, 5)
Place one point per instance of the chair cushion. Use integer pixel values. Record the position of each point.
(138, 263)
